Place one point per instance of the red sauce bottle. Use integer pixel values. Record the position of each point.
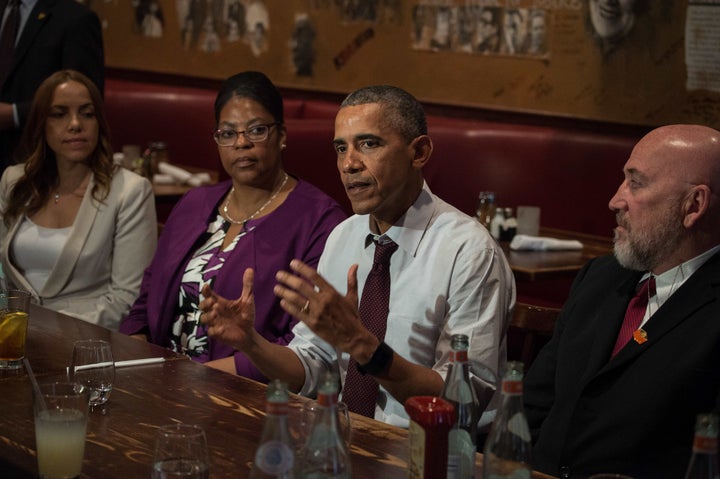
(431, 419)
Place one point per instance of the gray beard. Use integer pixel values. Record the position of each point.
(629, 258)
(645, 252)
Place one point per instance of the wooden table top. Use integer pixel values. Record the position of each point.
(537, 265)
(120, 436)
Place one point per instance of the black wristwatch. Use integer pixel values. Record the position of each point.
(379, 363)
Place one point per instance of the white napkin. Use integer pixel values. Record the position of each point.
(161, 179)
(182, 176)
(199, 179)
(540, 243)
(178, 174)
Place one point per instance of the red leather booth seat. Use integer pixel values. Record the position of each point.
(182, 117)
(139, 113)
(310, 155)
(570, 174)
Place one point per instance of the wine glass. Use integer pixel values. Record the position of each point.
(181, 451)
(93, 367)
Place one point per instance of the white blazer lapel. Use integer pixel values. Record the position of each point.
(79, 233)
(15, 276)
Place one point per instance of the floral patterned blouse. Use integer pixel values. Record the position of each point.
(188, 335)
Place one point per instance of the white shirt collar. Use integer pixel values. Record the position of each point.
(670, 281)
(408, 231)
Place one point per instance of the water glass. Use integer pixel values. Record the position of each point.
(61, 411)
(181, 452)
(93, 366)
(309, 413)
(14, 307)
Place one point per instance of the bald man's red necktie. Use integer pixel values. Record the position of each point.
(360, 391)
(635, 313)
(7, 37)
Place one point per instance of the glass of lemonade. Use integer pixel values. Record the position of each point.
(61, 412)
(14, 306)
(181, 452)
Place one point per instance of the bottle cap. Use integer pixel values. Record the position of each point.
(430, 411)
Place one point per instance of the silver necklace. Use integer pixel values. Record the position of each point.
(242, 222)
(57, 196)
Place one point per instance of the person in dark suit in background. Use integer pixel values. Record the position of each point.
(53, 35)
(598, 404)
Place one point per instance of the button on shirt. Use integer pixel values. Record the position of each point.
(448, 276)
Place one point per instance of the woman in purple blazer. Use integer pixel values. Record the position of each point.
(261, 218)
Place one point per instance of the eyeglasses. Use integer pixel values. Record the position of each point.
(228, 137)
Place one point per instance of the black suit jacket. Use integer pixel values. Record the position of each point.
(635, 413)
(58, 34)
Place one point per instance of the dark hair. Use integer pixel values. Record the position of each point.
(253, 85)
(41, 174)
(402, 111)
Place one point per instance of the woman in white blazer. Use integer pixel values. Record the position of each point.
(77, 231)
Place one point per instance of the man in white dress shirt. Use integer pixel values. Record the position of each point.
(448, 275)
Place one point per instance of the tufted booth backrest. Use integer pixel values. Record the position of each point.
(570, 174)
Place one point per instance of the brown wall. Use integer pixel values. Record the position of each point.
(640, 81)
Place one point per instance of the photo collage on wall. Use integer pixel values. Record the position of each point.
(206, 24)
(476, 28)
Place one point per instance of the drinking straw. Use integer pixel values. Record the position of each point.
(35, 384)
(118, 364)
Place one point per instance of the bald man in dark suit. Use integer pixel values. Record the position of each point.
(598, 403)
(56, 34)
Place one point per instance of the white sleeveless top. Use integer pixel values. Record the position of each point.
(35, 250)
